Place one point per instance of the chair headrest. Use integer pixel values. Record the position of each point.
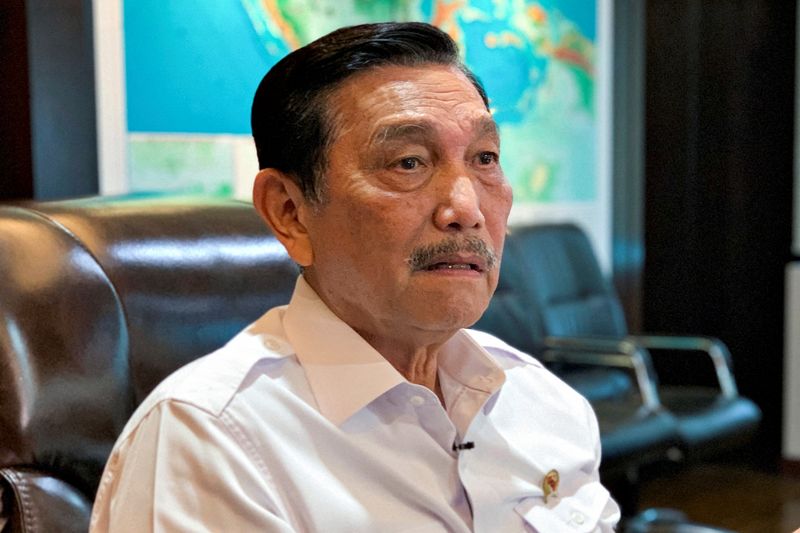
(64, 382)
(190, 272)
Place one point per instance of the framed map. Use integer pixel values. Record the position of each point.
(176, 80)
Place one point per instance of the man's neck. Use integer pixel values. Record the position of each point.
(418, 365)
(412, 352)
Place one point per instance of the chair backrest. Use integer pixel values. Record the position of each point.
(102, 298)
(513, 313)
(551, 285)
(555, 278)
(190, 273)
(64, 382)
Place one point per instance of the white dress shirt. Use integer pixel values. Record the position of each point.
(298, 424)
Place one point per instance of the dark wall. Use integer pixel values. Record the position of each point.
(64, 135)
(628, 156)
(48, 140)
(16, 163)
(718, 186)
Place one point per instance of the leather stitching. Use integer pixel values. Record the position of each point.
(20, 487)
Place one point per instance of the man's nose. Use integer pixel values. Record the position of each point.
(459, 207)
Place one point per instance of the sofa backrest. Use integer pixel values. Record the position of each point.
(101, 298)
(190, 273)
(64, 382)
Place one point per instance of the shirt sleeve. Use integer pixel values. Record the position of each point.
(182, 469)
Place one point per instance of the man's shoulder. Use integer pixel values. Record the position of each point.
(212, 381)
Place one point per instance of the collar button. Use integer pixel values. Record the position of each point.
(417, 401)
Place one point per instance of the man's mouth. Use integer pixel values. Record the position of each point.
(443, 265)
(465, 254)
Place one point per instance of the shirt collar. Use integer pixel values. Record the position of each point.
(469, 364)
(345, 373)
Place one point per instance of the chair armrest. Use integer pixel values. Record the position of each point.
(36, 502)
(713, 347)
(607, 352)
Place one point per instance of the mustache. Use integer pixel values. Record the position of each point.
(425, 255)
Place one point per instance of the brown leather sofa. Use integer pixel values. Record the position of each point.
(100, 299)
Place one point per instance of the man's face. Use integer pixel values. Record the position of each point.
(415, 204)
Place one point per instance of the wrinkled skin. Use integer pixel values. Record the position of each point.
(414, 163)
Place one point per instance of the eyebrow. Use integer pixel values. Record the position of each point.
(488, 127)
(403, 131)
(483, 126)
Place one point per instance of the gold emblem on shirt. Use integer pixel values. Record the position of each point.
(550, 485)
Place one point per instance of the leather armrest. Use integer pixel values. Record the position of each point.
(607, 352)
(35, 502)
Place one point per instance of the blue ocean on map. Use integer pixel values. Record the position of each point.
(192, 68)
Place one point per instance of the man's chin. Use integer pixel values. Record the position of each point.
(450, 317)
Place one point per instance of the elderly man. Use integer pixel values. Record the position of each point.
(364, 405)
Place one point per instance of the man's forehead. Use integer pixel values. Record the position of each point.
(379, 92)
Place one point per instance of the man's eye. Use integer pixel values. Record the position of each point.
(487, 158)
(409, 163)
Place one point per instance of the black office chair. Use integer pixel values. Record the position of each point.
(576, 306)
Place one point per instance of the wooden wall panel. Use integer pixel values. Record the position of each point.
(718, 186)
(16, 171)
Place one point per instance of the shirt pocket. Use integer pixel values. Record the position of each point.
(579, 512)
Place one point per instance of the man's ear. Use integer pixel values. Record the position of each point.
(282, 205)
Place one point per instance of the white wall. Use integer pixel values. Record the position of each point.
(791, 387)
(109, 71)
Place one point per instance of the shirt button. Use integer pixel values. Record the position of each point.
(417, 401)
(273, 345)
(577, 518)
